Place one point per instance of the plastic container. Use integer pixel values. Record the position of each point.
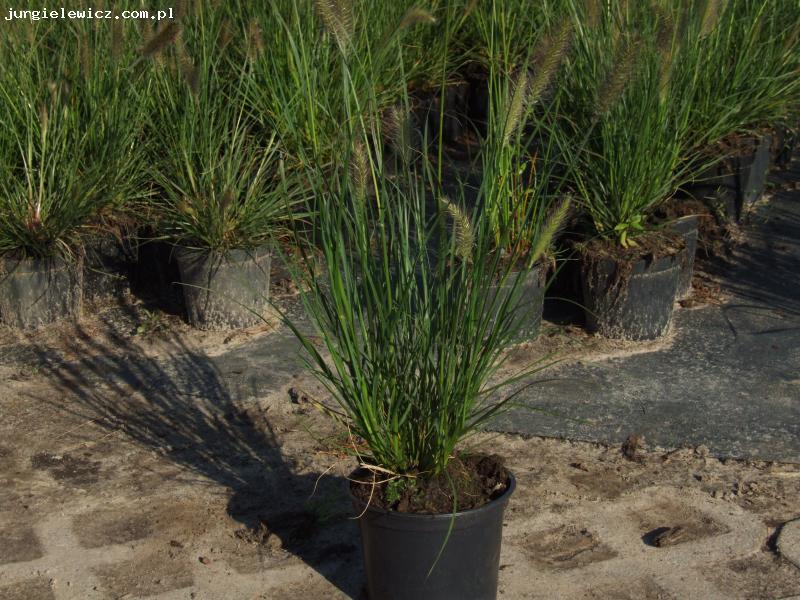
(225, 291)
(399, 550)
(527, 299)
(36, 292)
(737, 179)
(636, 306)
(686, 227)
(753, 170)
(108, 266)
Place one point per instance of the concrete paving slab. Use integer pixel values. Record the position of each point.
(789, 542)
(729, 378)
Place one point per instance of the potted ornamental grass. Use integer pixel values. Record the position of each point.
(222, 195)
(635, 131)
(295, 87)
(740, 61)
(70, 159)
(522, 165)
(407, 341)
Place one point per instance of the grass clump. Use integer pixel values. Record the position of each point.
(70, 150)
(622, 112)
(410, 336)
(523, 155)
(219, 180)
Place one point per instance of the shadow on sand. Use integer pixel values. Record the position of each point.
(179, 405)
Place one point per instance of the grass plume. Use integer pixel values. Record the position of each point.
(665, 38)
(117, 41)
(162, 39)
(396, 125)
(255, 40)
(461, 228)
(548, 55)
(516, 109)
(621, 75)
(191, 75)
(592, 11)
(666, 30)
(86, 56)
(359, 169)
(416, 16)
(711, 13)
(225, 35)
(337, 16)
(555, 222)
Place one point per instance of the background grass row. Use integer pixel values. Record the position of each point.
(206, 129)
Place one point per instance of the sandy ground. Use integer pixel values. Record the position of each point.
(131, 468)
(114, 487)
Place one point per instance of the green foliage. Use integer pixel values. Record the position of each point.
(739, 67)
(522, 150)
(396, 488)
(255, 87)
(409, 336)
(70, 155)
(295, 87)
(220, 180)
(634, 138)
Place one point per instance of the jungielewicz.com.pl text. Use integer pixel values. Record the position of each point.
(86, 13)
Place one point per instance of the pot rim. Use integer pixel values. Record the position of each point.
(492, 504)
(34, 265)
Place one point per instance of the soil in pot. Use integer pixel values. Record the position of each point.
(36, 292)
(225, 290)
(629, 292)
(424, 556)
(527, 298)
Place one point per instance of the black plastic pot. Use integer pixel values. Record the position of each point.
(455, 102)
(736, 180)
(108, 266)
(527, 299)
(717, 187)
(399, 550)
(784, 145)
(36, 292)
(225, 291)
(753, 170)
(478, 105)
(630, 301)
(686, 227)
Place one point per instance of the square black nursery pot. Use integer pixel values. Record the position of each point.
(687, 228)
(631, 299)
(784, 146)
(524, 291)
(109, 266)
(225, 290)
(40, 291)
(738, 179)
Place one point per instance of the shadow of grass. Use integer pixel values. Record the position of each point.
(179, 404)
